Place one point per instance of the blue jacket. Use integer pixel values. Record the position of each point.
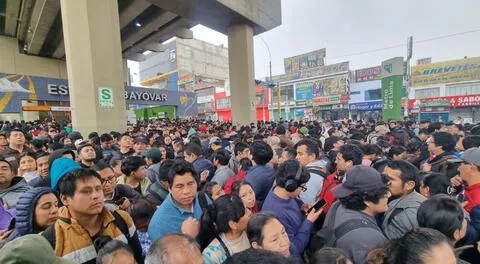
(169, 217)
(201, 164)
(261, 177)
(24, 219)
(473, 227)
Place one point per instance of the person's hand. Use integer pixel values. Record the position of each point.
(5, 205)
(204, 175)
(463, 204)
(4, 235)
(191, 227)
(456, 181)
(306, 206)
(426, 167)
(314, 214)
(124, 205)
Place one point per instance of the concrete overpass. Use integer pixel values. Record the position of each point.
(94, 36)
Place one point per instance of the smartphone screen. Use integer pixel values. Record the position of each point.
(318, 205)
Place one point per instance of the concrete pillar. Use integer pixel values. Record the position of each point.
(94, 59)
(242, 78)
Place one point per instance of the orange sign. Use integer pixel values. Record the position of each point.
(36, 108)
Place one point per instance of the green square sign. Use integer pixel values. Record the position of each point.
(105, 97)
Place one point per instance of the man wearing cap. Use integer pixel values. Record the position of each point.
(213, 144)
(301, 133)
(469, 175)
(402, 210)
(363, 195)
(153, 157)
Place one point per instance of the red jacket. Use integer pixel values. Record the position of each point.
(328, 184)
(228, 184)
(472, 195)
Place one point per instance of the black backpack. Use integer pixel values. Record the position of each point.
(328, 235)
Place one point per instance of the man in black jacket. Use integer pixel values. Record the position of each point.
(115, 194)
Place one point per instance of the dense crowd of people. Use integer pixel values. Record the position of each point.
(195, 191)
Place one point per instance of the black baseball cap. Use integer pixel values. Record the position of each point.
(360, 179)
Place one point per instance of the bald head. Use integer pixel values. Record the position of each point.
(174, 249)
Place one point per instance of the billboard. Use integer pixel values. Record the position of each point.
(313, 72)
(446, 72)
(368, 74)
(365, 106)
(392, 88)
(17, 87)
(304, 61)
(324, 87)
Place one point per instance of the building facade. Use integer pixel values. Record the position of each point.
(446, 90)
(311, 90)
(189, 65)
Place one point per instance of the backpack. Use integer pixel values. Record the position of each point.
(316, 170)
(328, 235)
(205, 236)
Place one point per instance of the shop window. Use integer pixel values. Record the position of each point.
(286, 93)
(426, 93)
(373, 94)
(463, 89)
(223, 103)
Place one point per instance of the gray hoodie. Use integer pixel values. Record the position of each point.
(401, 215)
(11, 194)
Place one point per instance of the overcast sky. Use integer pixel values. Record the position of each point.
(346, 27)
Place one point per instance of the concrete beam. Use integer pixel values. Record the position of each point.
(132, 11)
(60, 50)
(43, 15)
(155, 47)
(11, 17)
(221, 14)
(184, 33)
(136, 57)
(25, 12)
(160, 36)
(147, 29)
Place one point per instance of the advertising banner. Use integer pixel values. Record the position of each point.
(313, 72)
(328, 100)
(17, 87)
(304, 61)
(365, 106)
(303, 93)
(392, 97)
(446, 72)
(368, 74)
(446, 101)
(324, 87)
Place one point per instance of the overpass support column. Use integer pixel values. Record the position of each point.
(91, 31)
(242, 78)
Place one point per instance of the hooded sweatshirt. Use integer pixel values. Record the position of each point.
(30, 249)
(11, 194)
(24, 219)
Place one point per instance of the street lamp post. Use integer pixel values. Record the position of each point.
(270, 68)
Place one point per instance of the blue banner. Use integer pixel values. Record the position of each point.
(17, 87)
(366, 106)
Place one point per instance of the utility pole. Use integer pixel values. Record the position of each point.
(408, 75)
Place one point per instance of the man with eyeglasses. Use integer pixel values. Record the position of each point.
(469, 176)
(115, 194)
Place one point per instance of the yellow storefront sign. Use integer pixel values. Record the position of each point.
(446, 72)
